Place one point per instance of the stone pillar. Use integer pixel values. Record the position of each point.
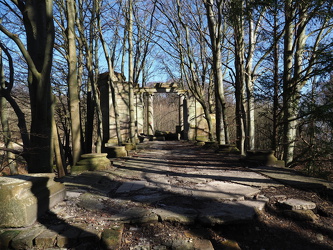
(106, 104)
(150, 114)
(181, 111)
(186, 120)
(139, 113)
(191, 112)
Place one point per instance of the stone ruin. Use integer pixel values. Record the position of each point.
(191, 122)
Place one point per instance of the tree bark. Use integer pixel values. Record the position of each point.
(39, 28)
(215, 33)
(275, 80)
(249, 86)
(240, 75)
(131, 74)
(73, 88)
(6, 88)
(58, 156)
(9, 158)
(288, 86)
(111, 83)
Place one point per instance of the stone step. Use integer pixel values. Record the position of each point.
(40, 237)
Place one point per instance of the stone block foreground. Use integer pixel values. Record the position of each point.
(25, 197)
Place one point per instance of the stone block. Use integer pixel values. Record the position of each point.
(91, 162)
(6, 237)
(129, 146)
(25, 197)
(297, 204)
(201, 138)
(230, 212)
(68, 238)
(263, 157)
(111, 237)
(46, 239)
(176, 214)
(112, 142)
(25, 239)
(116, 151)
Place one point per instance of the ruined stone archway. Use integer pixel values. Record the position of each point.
(145, 109)
(191, 124)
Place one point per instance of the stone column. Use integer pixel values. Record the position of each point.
(150, 114)
(139, 113)
(181, 111)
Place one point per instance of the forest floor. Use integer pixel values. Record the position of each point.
(176, 195)
(271, 228)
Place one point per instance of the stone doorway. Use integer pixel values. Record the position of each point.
(191, 123)
(166, 112)
(150, 104)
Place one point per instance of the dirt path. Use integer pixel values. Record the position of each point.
(272, 228)
(175, 195)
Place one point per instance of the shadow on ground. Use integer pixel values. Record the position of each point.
(174, 195)
(178, 214)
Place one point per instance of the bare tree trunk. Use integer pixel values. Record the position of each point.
(84, 51)
(100, 129)
(9, 156)
(80, 70)
(276, 81)
(74, 102)
(131, 74)
(58, 156)
(123, 54)
(240, 77)
(90, 48)
(288, 90)
(111, 82)
(39, 28)
(293, 85)
(6, 93)
(10, 159)
(250, 86)
(215, 33)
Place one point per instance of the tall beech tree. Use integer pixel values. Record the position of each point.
(131, 108)
(304, 58)
(72, 80)
(37, 17)
(216, 24)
